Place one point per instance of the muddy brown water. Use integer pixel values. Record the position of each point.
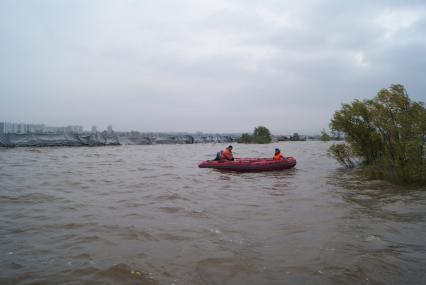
(149, 215)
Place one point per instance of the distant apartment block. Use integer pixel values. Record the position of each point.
(23, 128)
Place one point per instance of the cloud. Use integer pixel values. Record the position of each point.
(213, 65)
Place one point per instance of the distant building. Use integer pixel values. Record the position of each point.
(74, 129)
(17, 128)
(109, 129)
(2, 127)
(36, 128)
(94, 129)
(21, 128)
(78, 129)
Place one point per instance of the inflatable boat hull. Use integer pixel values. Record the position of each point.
(250, 164)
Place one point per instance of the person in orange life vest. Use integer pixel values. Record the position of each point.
(278, 155)
(227, 154)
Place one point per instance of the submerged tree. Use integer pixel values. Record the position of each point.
(324, 136)
(260, 135)
(343, 154)
(387, 132)
(245, 138)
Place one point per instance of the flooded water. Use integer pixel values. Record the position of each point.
(149, 215)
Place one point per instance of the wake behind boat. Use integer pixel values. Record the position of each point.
(250, 164)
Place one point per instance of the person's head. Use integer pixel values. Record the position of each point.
(277, 150)
(230, 147)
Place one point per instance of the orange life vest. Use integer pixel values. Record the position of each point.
(278, 156)
(227, 154)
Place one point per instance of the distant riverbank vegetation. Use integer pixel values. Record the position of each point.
(260, 135)
(325, 137)
(386, 133)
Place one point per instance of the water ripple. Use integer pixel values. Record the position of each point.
(149, 215)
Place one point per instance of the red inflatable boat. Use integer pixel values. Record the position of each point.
(250, 164)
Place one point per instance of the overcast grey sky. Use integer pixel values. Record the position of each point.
(213, 66)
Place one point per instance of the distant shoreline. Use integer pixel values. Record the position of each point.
(118, 138)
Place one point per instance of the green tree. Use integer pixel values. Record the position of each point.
(324, 136)
(387, 132)
(245, 138)
(260, 135)
(297, 137)
(343, 154)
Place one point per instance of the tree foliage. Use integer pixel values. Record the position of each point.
(295, 137)
(324, 136)
(245, 138)
(260, 135)
(343, 154)
(387, 132)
